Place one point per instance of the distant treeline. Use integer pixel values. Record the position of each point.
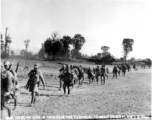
(99, 61)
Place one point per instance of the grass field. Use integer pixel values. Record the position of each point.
(129, 95)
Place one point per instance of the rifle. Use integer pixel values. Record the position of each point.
(10, 65)
(17, 66)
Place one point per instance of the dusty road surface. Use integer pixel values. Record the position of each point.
(129, 95)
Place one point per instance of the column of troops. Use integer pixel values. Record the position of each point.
(69, 75)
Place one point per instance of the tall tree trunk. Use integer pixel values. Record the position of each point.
(6, 40)
(125, 58)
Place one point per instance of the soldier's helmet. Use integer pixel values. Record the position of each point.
(6, 63)
(64, 66)
(36, 65)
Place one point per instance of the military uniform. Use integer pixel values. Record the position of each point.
(34, 79)
(90, 74)
(106, 71)
(61, 75)
(119, 69)
(68, 80)
(124, 69)
(81, 73)
(97, 73)
(6, 88)
(75, 73)
(6, 83)
(115, 71)
(102, 75)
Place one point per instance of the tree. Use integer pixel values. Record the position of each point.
(75, 53)
(127, 47)
(35, 56)
(26, 42)
(66, 41)
(2, 44)
(2, 47)
(6, 44)
(61, 48)
(48, 47)
(99, 55)
(12, 53)
(105, 49)
(55, 36)
(107, 58)
(148, 61)
(56, 46)
(29, 55)
(78, 41)
(122, 59)
(132, 59)
(52, 45)
(23, 53)
(41, 52)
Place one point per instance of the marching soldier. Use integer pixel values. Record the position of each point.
(89, 72)
(81, 75)
(97, 72)
(134, 66)
(71, 68)
(124, 69)
(128, 67)
(102, 75)
(106, 71)
(62, 72)
(34, 79)
(6, 88)
(15, 89)
(119, 69)
(94, 70)
(75, 73)
(115, 71)
(67, 80)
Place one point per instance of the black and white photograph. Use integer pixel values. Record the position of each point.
(76, 59)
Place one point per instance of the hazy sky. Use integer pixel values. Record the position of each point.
(101, 22)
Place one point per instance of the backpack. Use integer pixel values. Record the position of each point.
(115, 69)
(67, 77)
(33, 77)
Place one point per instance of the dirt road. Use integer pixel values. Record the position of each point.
(129, 95)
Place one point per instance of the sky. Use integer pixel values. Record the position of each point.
(100, 22)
